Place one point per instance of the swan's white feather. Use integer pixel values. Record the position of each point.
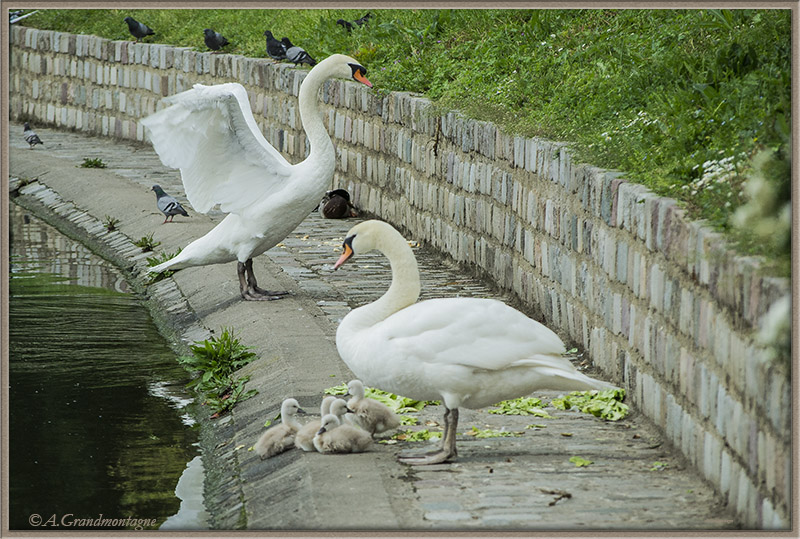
(498, 335)
(209, 133)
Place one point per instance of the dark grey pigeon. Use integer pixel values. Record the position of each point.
(138, 29)
(275, 48)
(297, 55)
(16, 16)
(30, 136)
(347, 25)
(214, 40)
(168, 205)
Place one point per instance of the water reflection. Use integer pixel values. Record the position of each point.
(98, 412)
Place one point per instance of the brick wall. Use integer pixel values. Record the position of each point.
(660, 303)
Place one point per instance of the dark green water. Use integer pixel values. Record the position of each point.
(98, 421)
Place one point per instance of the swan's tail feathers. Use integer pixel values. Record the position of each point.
(168, 265)
(561, 380)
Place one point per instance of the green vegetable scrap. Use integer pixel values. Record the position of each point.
(521, 406)
(398, 404)
(580, 461)
(658, 466)
(605, 404)
(416, 435)
(491, 433)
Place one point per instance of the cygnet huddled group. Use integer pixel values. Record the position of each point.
(343, 426)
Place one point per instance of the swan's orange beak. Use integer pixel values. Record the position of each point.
(359, 76)
(348, 252)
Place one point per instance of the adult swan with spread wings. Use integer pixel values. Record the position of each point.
(209, 133)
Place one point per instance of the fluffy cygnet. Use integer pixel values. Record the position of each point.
(333, 437)
(279, 438)
(305, 436)
(369, 414)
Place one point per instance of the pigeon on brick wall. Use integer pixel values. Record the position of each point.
(30, 136)
(138, 30)
(214, 40)
(297, 55)
(168, 205)
(275, 48)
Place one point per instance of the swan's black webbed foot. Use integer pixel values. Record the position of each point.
(431, 457)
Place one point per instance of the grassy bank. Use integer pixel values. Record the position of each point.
(680, 100)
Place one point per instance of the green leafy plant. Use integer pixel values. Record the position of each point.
(147, 243)
(606, 404)
(214, 362)
(110, 223)
(92, 163)
(153, 261)
(521, 406)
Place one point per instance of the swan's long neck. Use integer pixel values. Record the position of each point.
(405, 287)
(290, 419)
(310, 117)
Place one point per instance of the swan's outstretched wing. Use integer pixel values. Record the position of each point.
(209, 133)
(480, 333)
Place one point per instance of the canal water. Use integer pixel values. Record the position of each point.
(101, 435)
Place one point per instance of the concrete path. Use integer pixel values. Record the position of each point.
(636, 481)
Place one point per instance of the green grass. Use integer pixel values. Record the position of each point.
(679, 100)
(93, 163)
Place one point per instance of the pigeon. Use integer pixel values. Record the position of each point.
(30, 136)
(275, 48)
(297, 55)
(347, 25)
(336, 205)
(138, 29)
(168, 205)
(214, 40)
(16, 16)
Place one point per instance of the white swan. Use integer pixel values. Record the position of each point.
(469, 352)
(333, 437)
(279, 438)
(369, 414)
(209, 133)
(330, 405)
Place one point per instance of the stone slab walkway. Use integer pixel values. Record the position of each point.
(636, 482)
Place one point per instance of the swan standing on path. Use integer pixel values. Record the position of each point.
(467, 352)
(209, 133)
